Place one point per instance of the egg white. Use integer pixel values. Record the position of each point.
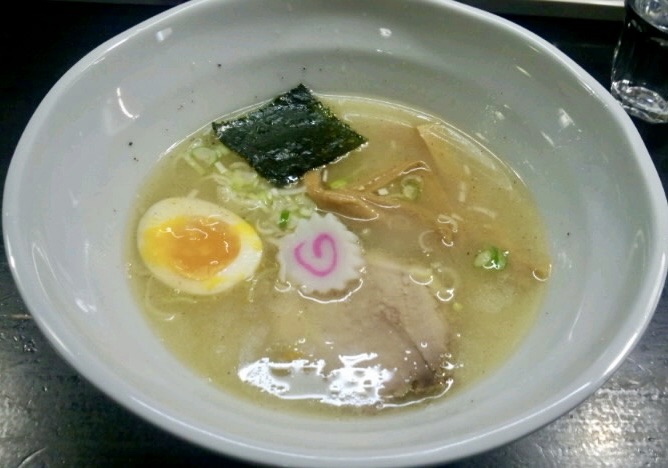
(240, 268)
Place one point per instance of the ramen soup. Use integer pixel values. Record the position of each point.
(398, 273)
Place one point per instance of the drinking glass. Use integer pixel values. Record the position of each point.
(640, 63)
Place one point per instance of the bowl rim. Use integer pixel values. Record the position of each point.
(106, 381)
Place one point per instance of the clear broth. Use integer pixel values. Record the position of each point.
(487, 312)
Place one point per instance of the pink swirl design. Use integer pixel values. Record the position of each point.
(315, 265)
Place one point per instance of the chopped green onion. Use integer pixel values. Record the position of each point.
(411, 187)
(222, 150)
(243, 190)
(192, 163)
(283, 219)
(204, 155)
(337, 184)
(220, 166)
(196, 143)
(491, 259)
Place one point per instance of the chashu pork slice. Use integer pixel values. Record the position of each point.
(387, 341)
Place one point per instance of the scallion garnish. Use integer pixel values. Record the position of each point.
(283, 219)
(491, 258)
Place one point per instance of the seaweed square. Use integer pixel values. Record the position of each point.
(289, 136)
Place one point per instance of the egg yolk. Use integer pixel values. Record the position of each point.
(195, 247)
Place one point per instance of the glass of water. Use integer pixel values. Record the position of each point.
(640, 64)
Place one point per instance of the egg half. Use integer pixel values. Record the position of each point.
(196, 246)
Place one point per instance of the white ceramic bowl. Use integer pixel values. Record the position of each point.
(73, 178)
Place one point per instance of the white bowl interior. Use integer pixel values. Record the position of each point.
(103, 126)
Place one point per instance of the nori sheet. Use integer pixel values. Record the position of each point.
(289, 136)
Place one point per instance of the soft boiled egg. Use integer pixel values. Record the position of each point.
(196, 246)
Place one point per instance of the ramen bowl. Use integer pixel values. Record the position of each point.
(103, 127)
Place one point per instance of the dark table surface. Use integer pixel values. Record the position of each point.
(50, 416)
